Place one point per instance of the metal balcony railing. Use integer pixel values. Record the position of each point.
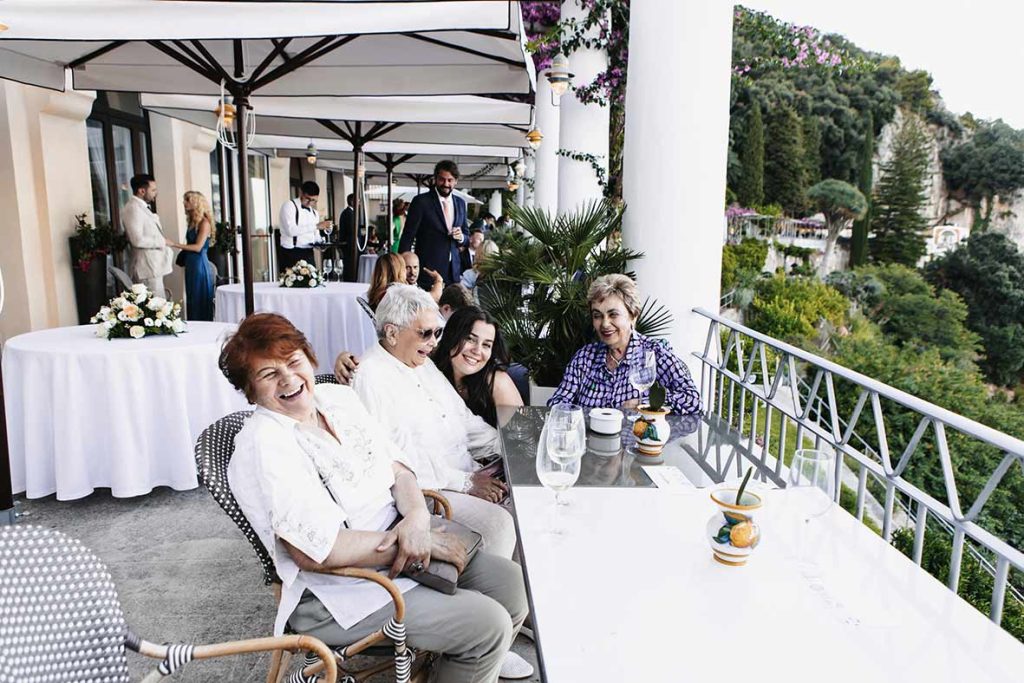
(739, 384)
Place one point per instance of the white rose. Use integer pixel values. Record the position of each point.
(122, 317)
(101, 331)
(109, 324)
(178, 326)
(119, 302)
(167, 309)
(137, 331)
(156, 303)
(148, 322)
(177, 308)
(304, 271)
(160, 315)
(139, 288)
(289, 281)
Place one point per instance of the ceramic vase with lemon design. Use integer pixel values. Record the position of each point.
(651, 430)
(732, 531)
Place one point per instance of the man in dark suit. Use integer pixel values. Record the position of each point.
(436, 224)
(347, 239)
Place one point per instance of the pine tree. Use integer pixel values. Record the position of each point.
(897, 222)
(859, 245)
(784, 177)
(812, 149)
(750, 188)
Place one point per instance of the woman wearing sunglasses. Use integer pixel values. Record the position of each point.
(426, 417)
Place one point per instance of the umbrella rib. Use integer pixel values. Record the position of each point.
(183, 59)
(315, 51)
(334, 128)
(467, 50)
(279, 47)
(96, 53)
(493, 33)
(214, 64)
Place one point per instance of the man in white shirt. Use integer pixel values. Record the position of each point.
(299, 227)
(150, 256)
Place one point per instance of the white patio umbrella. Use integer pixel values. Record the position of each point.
(276, 48)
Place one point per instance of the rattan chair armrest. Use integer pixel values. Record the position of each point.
(379, 579)
(439, 500)
(293, 643)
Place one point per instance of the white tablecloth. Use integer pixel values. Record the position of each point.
(86, 413)
(330, 316)
(630, 593)
(367, 262)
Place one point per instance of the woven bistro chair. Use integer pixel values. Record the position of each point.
(213, 454)
(61, 620)
(365, 305)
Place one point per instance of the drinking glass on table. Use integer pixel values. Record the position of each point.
(328, 269)
(562, 444)
(642, 377)
(810, 493)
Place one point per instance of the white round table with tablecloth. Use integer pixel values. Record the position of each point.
(367, 262)
(86, 413)
(329, 316)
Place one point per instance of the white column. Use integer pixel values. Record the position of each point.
(531, 175)
(521, 191)
(584, 127)
(494, 204)
(677, 130)
(546, 165)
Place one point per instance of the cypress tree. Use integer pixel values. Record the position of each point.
(897, 222)
(812, 149)
(784, 174)
(750, 188)
(859, 245)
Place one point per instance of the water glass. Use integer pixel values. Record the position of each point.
(812, 482)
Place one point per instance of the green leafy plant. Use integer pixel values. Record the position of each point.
(656, 397)
(536, 285)
(743, 485)
(224, 238)
(90, 242)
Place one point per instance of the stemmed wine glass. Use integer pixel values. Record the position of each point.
(328, 269)
(328, 229)
(642, 377)
(559, 452)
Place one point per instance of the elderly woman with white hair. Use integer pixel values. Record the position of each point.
(428, 420)
(598, 375)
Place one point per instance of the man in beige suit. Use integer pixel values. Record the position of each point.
(150, 256)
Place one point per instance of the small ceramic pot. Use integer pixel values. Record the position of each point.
(732, 532)
(651, 431)
(606, 421)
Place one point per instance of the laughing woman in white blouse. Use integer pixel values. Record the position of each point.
(322, 484)
(426, 417)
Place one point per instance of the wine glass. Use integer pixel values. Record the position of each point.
(560, 449)
(328, 229)
(641, 377)
(328, 269)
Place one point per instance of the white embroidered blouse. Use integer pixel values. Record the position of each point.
(297, 484)
(425, 417)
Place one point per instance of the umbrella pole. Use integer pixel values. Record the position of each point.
(391, 207)
(357, 209)
(242, 105)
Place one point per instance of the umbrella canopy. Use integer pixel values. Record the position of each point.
(190, 46)
(284, 146)
(460, 119)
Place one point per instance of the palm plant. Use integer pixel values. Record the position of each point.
(536, 285)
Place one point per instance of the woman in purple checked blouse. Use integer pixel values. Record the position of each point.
(598, 375)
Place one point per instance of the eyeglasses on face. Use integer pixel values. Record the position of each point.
(425, 335)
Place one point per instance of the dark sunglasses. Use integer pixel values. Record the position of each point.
(427, 334)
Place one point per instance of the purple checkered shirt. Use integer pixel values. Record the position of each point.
(590, 384)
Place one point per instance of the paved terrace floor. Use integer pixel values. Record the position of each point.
(183, 571)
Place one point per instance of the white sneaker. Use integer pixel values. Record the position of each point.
(515, 667)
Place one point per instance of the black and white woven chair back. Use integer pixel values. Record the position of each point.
(366, 309)
(213, 455)
(60, 619)
(326, 378)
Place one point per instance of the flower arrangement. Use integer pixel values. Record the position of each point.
(90, 242)
(302, 274)
(137, 313)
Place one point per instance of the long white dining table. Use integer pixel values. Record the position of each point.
(86, 413)
(629, 590)
(329, 316)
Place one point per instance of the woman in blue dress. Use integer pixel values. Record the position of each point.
(198, 270)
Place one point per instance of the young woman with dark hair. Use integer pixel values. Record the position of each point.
(472, 355)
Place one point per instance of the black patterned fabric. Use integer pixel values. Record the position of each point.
(60, 619)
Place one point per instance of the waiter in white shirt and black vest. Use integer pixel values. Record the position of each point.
(299, 227)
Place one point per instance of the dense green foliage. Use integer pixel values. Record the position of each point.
(785, 180)
(812, 149)
(742, 263)
(865, 183)
(988, 164)
(750, 187)
(793, 309)
(896, 219)
(988, 272)
(840, 202)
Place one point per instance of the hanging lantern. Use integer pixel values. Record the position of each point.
(311, 153)
(558, 75)
(226, 114)
(534, 137)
